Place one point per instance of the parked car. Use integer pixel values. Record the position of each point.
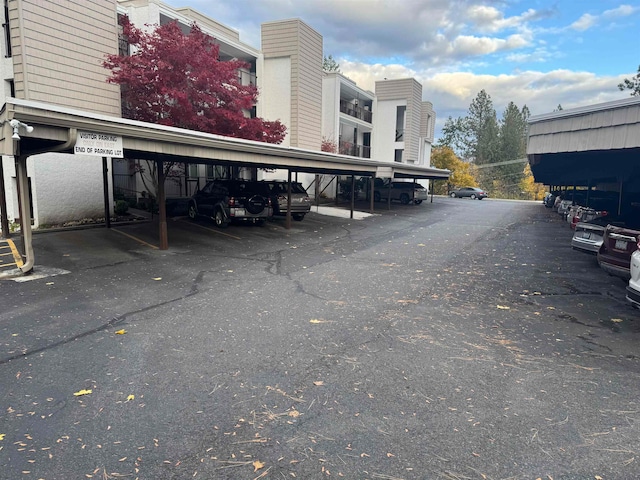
(618, 244)
(588, 234)
(563, 208)
(231, 200)
(277, 190)
(633, 288)
(404, 192)
(469, 192)
(583, 214)
(549, 200)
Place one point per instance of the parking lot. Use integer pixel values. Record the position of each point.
(453, 339)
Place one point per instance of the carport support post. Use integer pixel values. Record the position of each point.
(162, 208)
(4, 219)
(353, 194)
(25, 212)
(105, 190)
(287, 222)
(372, 192)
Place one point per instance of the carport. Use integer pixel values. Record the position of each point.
(594, 147)
(45, 128)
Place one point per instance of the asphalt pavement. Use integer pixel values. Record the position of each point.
(457, 339)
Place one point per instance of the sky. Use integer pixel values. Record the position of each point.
(538, 53)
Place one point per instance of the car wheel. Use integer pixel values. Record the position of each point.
(193, 211)
(404, 199)
(255, 204)
(452, 194)
(376, 196)
(298, 217)
(219, 219)
(473, 196)
(418, 202)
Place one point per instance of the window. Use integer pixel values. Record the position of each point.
(7, 31)
(192, 171)
(400, 114)
(398, 156)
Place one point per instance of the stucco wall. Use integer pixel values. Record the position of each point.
(383, 139)
(274, 102)
(66, 187)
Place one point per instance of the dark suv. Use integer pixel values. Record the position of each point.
(228, 200)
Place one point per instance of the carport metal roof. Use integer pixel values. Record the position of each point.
(55, 129)
(586, 146)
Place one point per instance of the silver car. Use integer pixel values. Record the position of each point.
(588, 235)
(278, 190)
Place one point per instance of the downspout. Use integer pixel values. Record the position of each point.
(25, 203)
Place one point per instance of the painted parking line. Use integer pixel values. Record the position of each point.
(139, 240)
(212, 230)
(9, 255)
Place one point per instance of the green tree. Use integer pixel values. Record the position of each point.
(482, 134)
(330, 65)
(632, 84)
(461, 172)
(455, 136)
(512, 146)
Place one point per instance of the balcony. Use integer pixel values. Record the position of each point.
(348, 148)
(355, 111)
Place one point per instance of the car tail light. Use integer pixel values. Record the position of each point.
(638, 243)
(232, 201)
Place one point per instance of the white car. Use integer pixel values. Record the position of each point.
(633, 289)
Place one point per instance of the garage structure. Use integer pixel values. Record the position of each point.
(593, 147)
(31, 128)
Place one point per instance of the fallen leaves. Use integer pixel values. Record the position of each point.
(2, 435)
(503, 307)
(79, 393)
(121, 332)
(318, 383)
(257, 465)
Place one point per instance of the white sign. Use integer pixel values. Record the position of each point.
(98, 145)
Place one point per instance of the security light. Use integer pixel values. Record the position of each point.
(16, 124)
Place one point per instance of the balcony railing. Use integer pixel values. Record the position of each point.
(355, 111)
(348, 148)
(246, 78)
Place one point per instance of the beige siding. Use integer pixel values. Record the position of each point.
(427, 122)
(58, 47)
(410, 90)
(615, 127)
(303, 45)
(414, 116)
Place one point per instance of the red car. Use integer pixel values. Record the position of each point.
(618, 244)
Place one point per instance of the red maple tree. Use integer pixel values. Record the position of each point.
(179, 80)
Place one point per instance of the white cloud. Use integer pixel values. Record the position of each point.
(490, 19)
(585, 22)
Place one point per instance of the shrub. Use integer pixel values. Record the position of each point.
(122, 206)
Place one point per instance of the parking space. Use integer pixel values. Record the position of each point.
(9, 256)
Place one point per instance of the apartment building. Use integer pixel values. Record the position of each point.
(54, 52)
(404, 122)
